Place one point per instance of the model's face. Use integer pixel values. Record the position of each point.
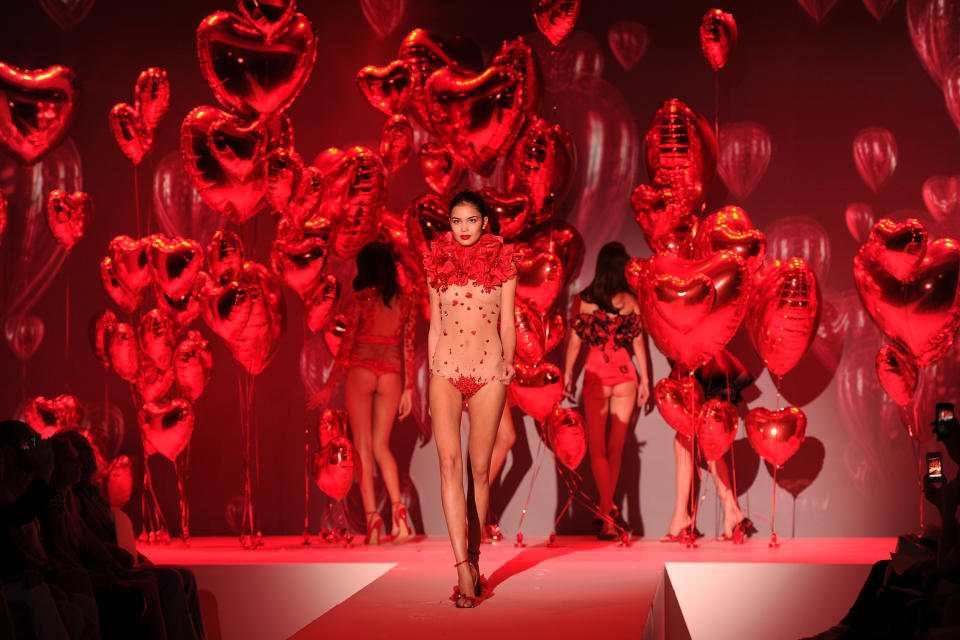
(467, 224)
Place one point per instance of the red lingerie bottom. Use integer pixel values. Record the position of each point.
(609, 367)
(380, 354)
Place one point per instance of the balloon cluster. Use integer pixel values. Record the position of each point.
(133, 126)
(706, 277)
(333, 461)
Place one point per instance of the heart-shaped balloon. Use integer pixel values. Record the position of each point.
(556, 18)
(511, 210)
(818, 9)
(537, 389)
(353, 199)
(24, 335)
(676, 285)
(225, 257)
(68, 215)
(129, 258)
(396, 142)
(730, 229)
(48, 416)
(383, 15)
(269, 16)
(539, 279)
(680, 147)
(898, 246)
(934, 27)
(425, 219)
(477, 116)
(530, 334)
(193, 364)
(334, 332)
(123, 350)
(859, 218)
(800, 237)
(237, 146)
(519, 56)
(38, 108)
(555, 327)
(332, 423)
(166, 427)
(635, 268)
(718, 37)
(666, 215)
(97, 330)
(333, 468)
(282, 169)
(783, 312)
(124, 297)
(152, 96)
(629, 42)
(226, 308)
(152, 382)
(776, 435)
(246, 73)
(567, 436)
(321, 302)
(185, 309)
(134, 139)
(388, 88)
(951, 93)
(441, 170)
(717, 424)
(541, 164)
(879, 8)
(156, 338)
(174, 263)
(118, 482)
(921, 311)
(897, 373)
(679, 402)
(744, 150)
(875, 154)
(67, 13)
(299, 261)
(229, 196)
(941, 194)
(562, 240)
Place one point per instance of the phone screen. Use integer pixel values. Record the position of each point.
(934, 466)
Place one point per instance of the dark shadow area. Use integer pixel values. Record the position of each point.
(801, 469)
(211, 617)
(506, 486)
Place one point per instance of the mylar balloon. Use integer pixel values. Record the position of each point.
(679, 402)
(321, 302)
(193, 363)
(123, 351)
(333, 468)
(628, 41)
(442, 171)
(518, 55)
(152, 96)
(118, 482)
(152, 382)
(859, 219)
(97, 330)
(717, 424)
(174, 263)
(800, 237)
(537, 389)
(129, 131)
(897, 373)
(129, 259)
(383, 15)
(556, 18)
(667, 215)
(68, 215)
(157, 339)
(530, 334)
(396, 142)
(539, 278)
(562, 240)
(268, 16)
(24, 335)
(934, 27)
(680, 144)
(818, 9)
(299, 261)
(879, 8)
(941, 194)
(875, 154)
(567, 437)
(48, 416)
(166, 427)
(730, 229)
(541, 164)
(744, 154)
(718, 37)
(776, 435)
(38, 109)
(388, 88)
(123, 296)
(512, 211)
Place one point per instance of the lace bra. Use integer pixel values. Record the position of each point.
(599, 328)
(487, 262)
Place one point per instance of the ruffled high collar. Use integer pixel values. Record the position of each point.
(487, 262)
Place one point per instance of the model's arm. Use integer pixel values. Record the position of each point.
(508, 327)
(640, 350)
(433, 335)
(573, 351)
(409, 327)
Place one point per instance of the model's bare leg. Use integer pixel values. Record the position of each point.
(486, 409)
(596, 407)
(385, 403)
(732, 515)
(623, 400)
(446, 405)
(360, 386)
(506, 436)
(682, 451)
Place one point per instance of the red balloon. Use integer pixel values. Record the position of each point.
(129, 132)
(666, 215)
(679, 402)
(717, 424)
(860, 219)
(333, 468)
(246, 73)
(282, 172)
(442, 171)
(388, 88)
(578, 59)
(425, 219)
(934, 27)
(208, 138)
(68, 215)
(118, 482)
(782, 313)
(152, 96)
(24, 335)
(129, 258)
(124, 297)
(530, 334)
(99, 325)
(123, 350)
(744, 154)
(166, 427)
(541, 164)
(332, 423)
(680, 146)
(193, 364)
(477, 116)
(383, 15)
(537, 389)
(562, 240)
(174, 263)
(179, 208)
(354, 201)
(879, 8)
(875, 153)
(157, 339)
(730, 229)
(511, 210)
(38, 109)
(48, 416)
(186, 308)
(333, 333)
(629, 42)
(555, 328)
(567, 437)
(321, 302)
(539, 278)
(800, 237)
(67, 13)
(718, 37)
(225, 257)
(941, 194)
(153, 383)
(518, 55)
(556, 18)
(691, 308)
(299, 260)
(818, 9)
(776, 435)
(270, 17)
(396, 142)
(917, 305)
(897, 374)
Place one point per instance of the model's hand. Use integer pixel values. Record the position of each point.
(569, 391)
(406, 403)
(508, 373)
(643, 392)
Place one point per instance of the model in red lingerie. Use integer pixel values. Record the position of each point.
(606, 317)
(472, 280)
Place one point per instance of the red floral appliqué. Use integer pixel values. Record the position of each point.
(488, 262)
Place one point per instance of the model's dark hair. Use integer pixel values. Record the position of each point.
(610, 277)
(376, 268)
(476, 200)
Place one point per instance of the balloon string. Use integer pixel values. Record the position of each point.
(716, 105)
(181, 468)
(773, 513)
(66, 329)
(533, 479)
(136, 200)
(255, 428)
(306, 456)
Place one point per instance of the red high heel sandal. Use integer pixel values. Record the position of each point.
(462, 600)
(374, 524)
(400, 522)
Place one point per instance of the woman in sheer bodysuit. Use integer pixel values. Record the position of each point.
(381, 319)
(606, 317)
(471, 276)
